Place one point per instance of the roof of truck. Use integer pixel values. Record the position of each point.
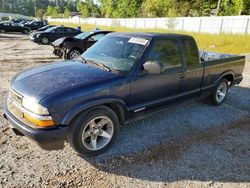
(149, 35)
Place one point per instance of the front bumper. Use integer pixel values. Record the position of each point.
(48, 139)
(58, 51)
(32, 38)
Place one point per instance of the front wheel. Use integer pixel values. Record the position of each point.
(220, 93)
(94, 133)
(45, 40)
(73, 53)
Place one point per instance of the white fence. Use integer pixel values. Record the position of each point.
(220, 24)
(15, 16)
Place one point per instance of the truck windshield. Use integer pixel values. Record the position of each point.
(117, 52)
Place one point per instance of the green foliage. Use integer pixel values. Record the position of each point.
(40, 13)
(128, 8)
(67, 12)
(49, 11)
(246, 7)
(53, 11)
(83, 9)
(88, 9)
(159, 8)
(109, 8)
(231, 7)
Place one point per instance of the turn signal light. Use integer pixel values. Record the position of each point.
(42, 123)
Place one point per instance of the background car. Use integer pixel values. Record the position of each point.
(9, 27)
(52, 34)
(72, 47)
(45, 27)
(34, 25)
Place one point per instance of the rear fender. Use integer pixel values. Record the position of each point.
(224, 74)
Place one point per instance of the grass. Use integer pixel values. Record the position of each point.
(226, 43)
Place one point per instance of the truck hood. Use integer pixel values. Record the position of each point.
(45, 80)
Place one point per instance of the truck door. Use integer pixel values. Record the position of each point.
(149, 91)
(193, 69)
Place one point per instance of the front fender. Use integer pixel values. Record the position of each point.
(74, 111)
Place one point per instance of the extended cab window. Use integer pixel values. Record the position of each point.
(191, 52)
(167, 52)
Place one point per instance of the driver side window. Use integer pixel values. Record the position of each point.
(98, 36)
(58, 30)
(167, 52)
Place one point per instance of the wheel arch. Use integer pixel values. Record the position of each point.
(69, 49)
(118, 106)
(229, 75)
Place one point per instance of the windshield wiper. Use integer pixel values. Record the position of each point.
(87, 61)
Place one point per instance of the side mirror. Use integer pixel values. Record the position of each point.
(153, 67)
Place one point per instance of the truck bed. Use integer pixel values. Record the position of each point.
(216, 65)
(210, 56)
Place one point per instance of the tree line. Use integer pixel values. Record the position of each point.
(126, 8)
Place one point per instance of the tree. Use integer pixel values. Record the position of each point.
(128, 8)
(55, 12)
(88, 8)
(49, 11)
(83, 8)
(67, 12)
(246, 7)
(40, 13)
(231, 7)
(109, 8)
(159, 8)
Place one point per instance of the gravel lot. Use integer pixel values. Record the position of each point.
(196, 145)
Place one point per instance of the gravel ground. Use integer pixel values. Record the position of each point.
(196, 145)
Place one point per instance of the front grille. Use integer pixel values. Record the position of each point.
(14, 97)
(13, 101)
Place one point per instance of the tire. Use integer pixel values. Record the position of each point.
(2, 31)
(220, 93)
(73, 53)
(93, 133)
(45, 40)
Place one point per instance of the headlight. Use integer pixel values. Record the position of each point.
(37, 35)
(31, 105)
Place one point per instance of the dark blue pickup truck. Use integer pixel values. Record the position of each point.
(121, 77)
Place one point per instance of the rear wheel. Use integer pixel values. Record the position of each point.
(73, 53)
(93, 133)
(45, 40)
(220, 93)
